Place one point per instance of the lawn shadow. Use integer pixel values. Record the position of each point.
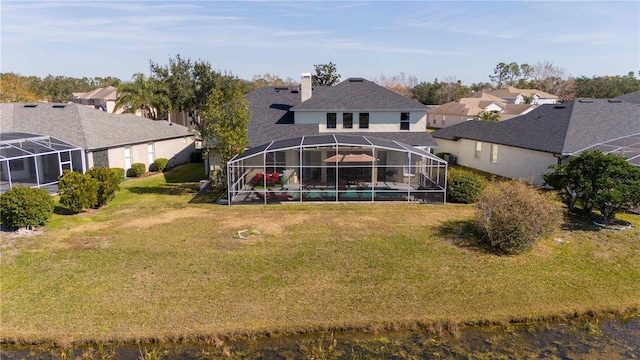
(208, 196)
(573, 221)
(464, 234)
(168, 189)
(61, 210)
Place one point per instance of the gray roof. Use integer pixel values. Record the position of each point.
(85, 126)
(272, 118)
(555, 128)
(359, 94)
(633, 97)
(364, 141)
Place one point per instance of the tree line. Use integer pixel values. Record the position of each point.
(544, 76)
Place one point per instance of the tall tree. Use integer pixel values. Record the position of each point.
(15, 88)
(271, 80)
(606, 86)
(147, 95)
(189, 84)
(427, 93)
(224, 124)
(326, 75)
(400, 84)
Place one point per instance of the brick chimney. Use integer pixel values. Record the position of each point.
(305, 86)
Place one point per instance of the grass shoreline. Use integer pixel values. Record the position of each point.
(162, 264)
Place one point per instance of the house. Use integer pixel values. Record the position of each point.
(466, 109)
(101, 98)
(518, 96)
(106, 140)
(525, 146)
(355, 141)
(355, 106)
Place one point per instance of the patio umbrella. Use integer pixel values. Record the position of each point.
(343, 158)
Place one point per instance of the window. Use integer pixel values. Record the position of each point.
(127, 157)
(347, 120)
(404, 121)
(478, 150)
(150, 152)
(331, 120)
(494, 153)
(364, 121)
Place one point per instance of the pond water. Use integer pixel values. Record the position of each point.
(586, 338)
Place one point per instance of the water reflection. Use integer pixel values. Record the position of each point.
(588, 338)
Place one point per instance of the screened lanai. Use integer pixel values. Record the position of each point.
(336, 168)
(35, 160)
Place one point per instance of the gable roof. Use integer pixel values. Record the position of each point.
(107, 93)
(511, 92)
(472, 106)
(358, 94)
(272, 118)
(555, 128)
(633, 97)
(85, 127)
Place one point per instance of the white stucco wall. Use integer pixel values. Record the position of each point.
(177, 151)
(379, 121)
(512, 162)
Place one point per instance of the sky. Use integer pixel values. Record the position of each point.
(459, 40)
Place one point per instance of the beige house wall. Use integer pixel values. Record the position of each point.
(511, 162)
(177, 151)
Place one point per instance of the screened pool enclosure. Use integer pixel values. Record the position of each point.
(35, 160)
(336, 168)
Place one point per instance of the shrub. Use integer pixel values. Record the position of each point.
(160, 164)
(119, 172)
(25, 207)
(108, 183)
(137, 170)
(513, 216)
(196, 156)
(593, 179)
(77, 191)
(465, 187)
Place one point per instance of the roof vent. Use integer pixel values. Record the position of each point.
(559, 107)
(356, 80)
(615, 101)
(585, 101)
(59, 106)
(295, 90)
(30, 105)
(281, 88)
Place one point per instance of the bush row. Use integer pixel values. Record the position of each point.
(91, 190)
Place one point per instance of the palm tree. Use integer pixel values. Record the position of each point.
(489, 116)
(145, 95)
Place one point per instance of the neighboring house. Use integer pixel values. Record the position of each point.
(525, 146)
(106, 140)
(517, 96)
(355, 107)
(101, 98)
(466, 109)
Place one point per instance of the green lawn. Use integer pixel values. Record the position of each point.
(161, 262)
